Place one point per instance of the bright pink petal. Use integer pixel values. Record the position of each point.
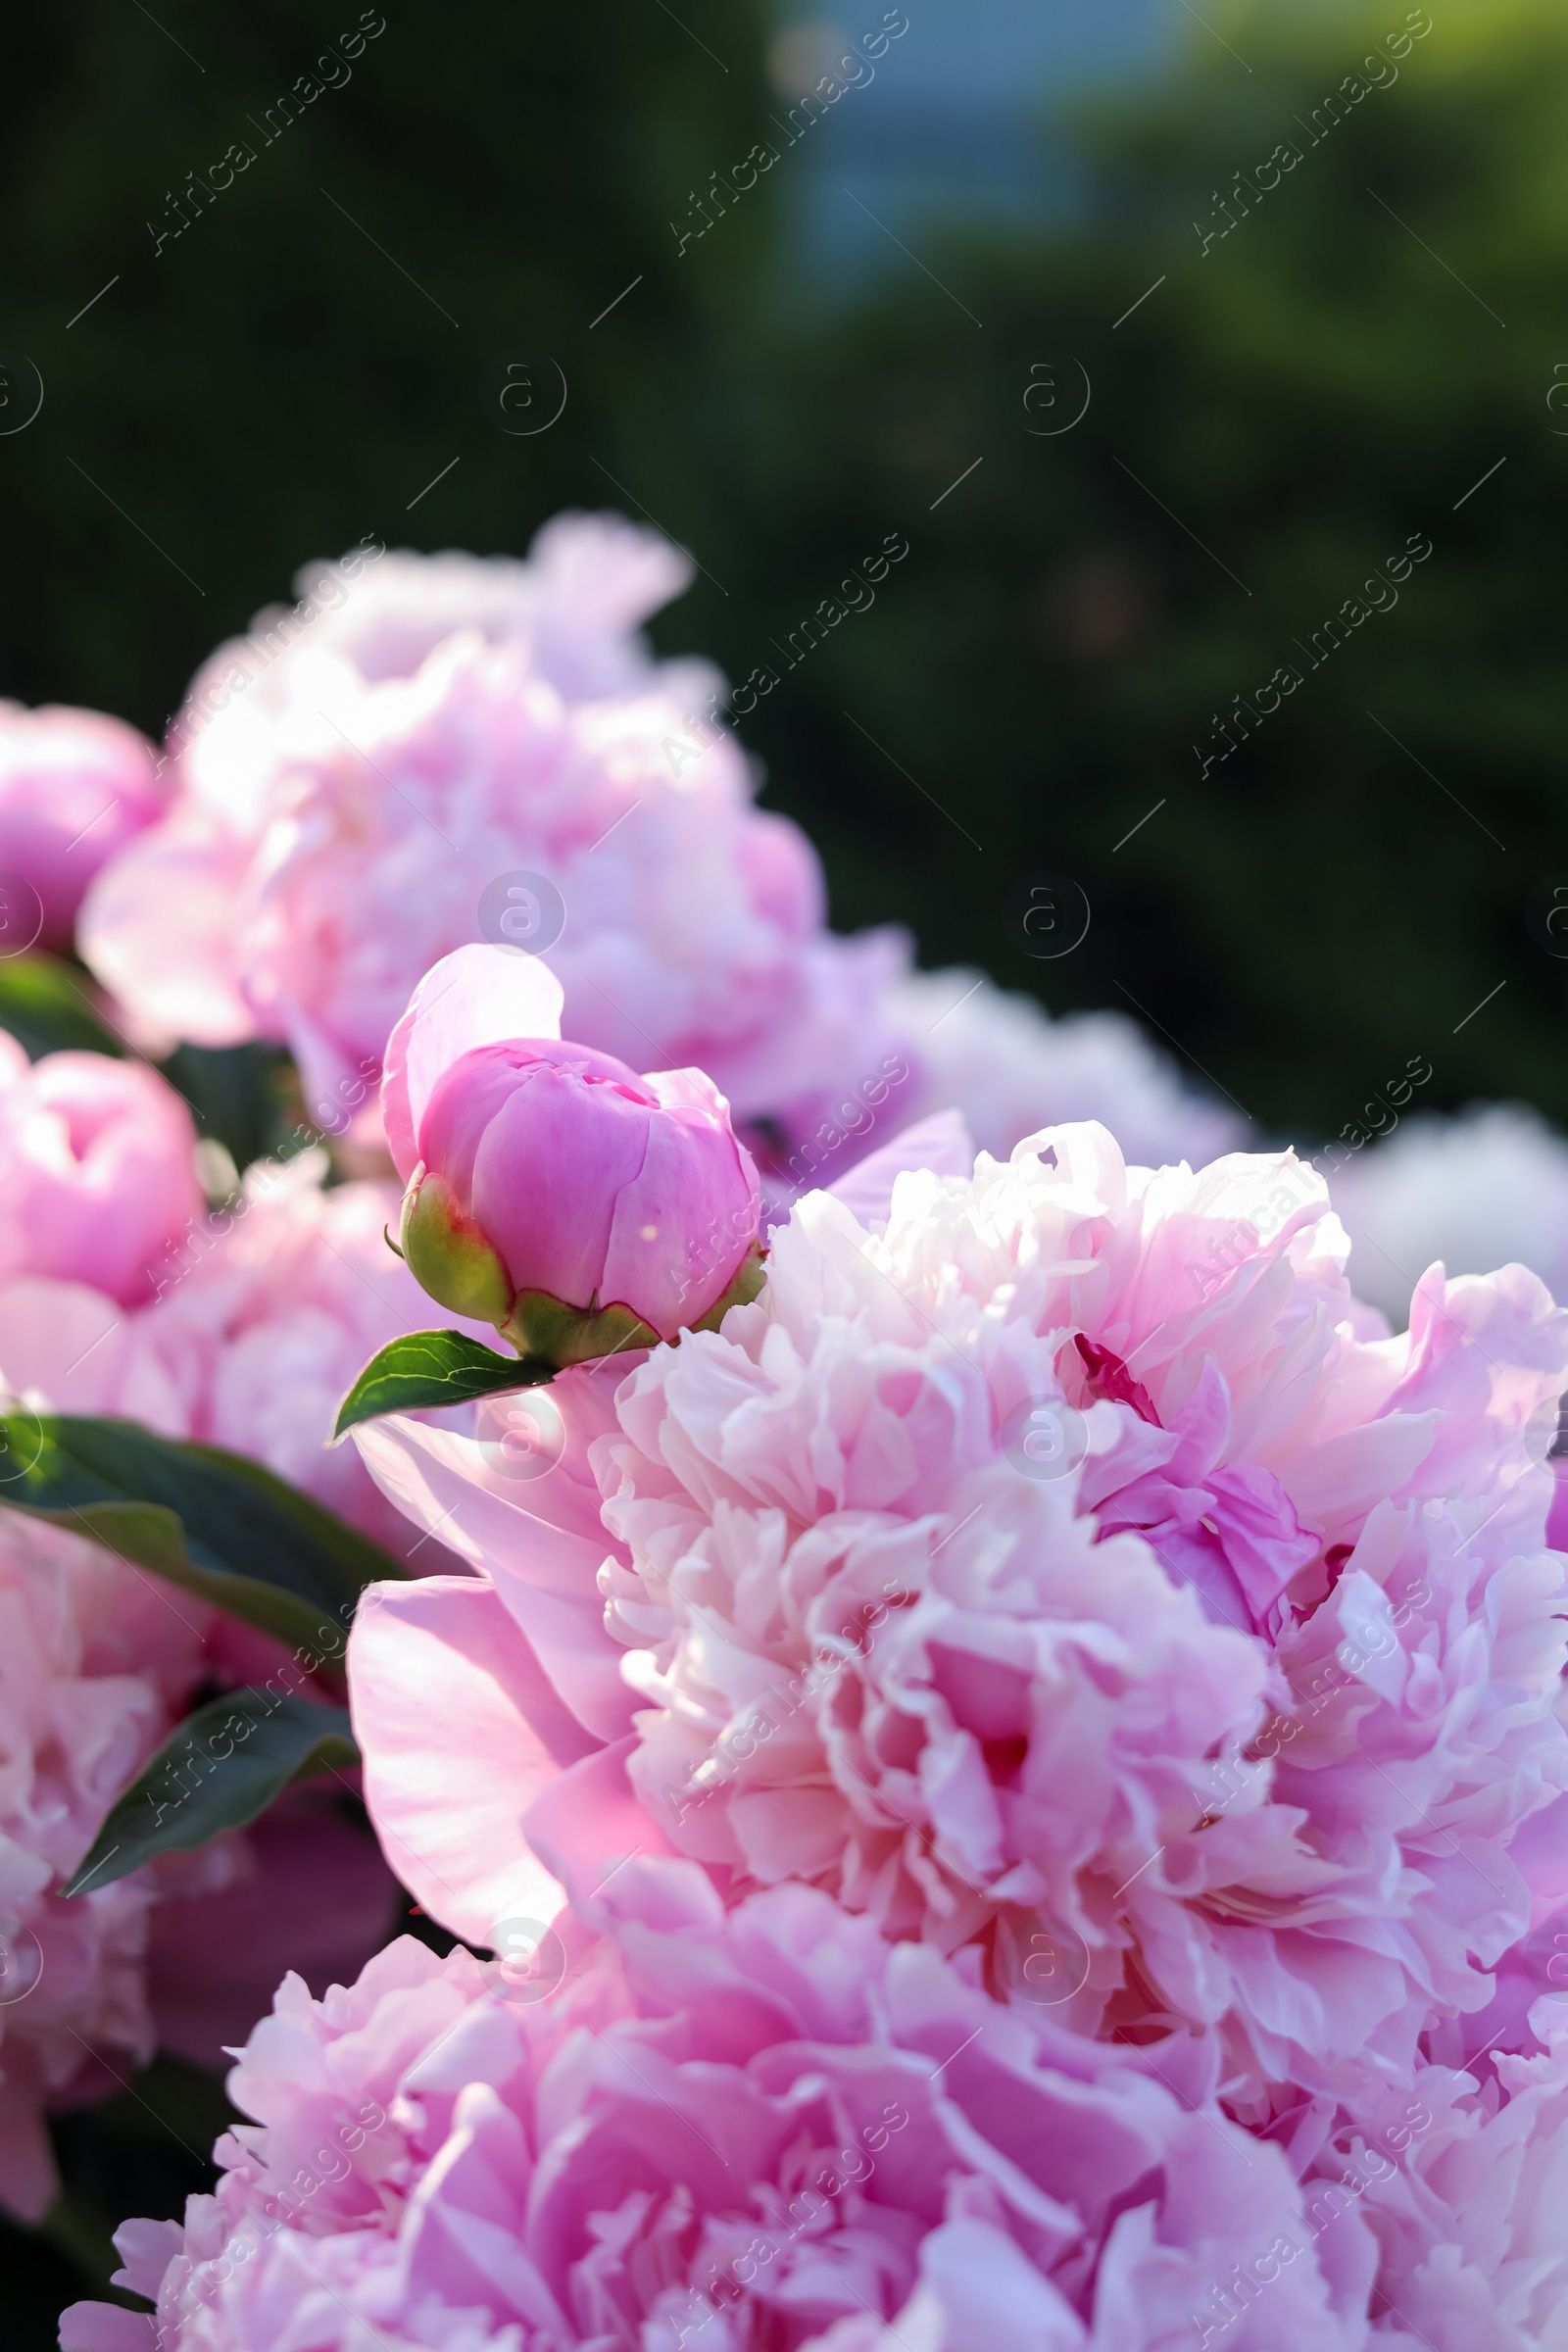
(479, 996)
(686, 1220)
(461, 1732)
(549, 1167)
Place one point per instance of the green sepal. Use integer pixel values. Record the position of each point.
(449, 1257)
(545, 1328)
(749, 1276)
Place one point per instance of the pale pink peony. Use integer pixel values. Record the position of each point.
(75, 787)
(97, 1170)
(435, 729)
(576, 605)
(719, 2132)
(338, 827)
(1054, 1570)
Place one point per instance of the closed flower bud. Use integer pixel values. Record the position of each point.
(551, 1190)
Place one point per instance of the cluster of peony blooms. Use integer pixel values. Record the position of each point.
(1008, 1758)
(1005, 1735)
(265, 1320)
(123, 1293)
(420, 753)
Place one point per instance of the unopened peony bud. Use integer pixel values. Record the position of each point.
(75, 788)
(551, 1190)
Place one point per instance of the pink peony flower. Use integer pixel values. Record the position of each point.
(769, 2128)
(97, 1170)
(266, 1312)
(576, 605)
(255, 1337)
(442, 751)
(1054, 1569)
(75, 789)
(554, 1192)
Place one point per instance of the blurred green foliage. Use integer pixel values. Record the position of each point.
(1269, 424)
(285, 375)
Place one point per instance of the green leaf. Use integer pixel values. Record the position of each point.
(222, 1766)
(238, 1096)
(215, 1523)
(49, 1007)
(435, 1368)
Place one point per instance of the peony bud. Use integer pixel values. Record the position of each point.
(551, 1190)
(75, 788)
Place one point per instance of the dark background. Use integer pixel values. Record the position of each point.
(1303, 396)
(1269, 424)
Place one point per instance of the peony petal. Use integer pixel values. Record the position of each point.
(158, 925)
(440, 1677)
(106, 2328)
(985, 2295)
(588, 1821)
(546, 1171)
(65, 1342)
(479, 996)
(684, 1222)
(545, 1568)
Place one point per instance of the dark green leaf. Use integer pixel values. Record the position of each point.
(49, 1007)
(222, 1766)
(435, 1368)
(215, 1523)
(238, 1096)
